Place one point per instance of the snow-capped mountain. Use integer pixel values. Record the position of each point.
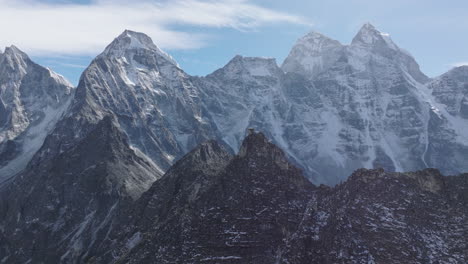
(335, 108)
(153, 100)
(371, 111)
(332, 107)
(32, 100)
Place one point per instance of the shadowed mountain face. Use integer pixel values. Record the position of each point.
(59, 210)
(211, 206)
(255, 207)
(237, 207)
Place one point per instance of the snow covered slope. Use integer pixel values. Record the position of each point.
(154, 101)
(332, 107)
(335, 108)
(32, 99)
(374, 109)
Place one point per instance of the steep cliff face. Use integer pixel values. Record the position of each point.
(59, 210)
(375, 109)
(255, 207)
(212, 207)
(333, 108)
(32, 99)
(153, 100)
(382, 217)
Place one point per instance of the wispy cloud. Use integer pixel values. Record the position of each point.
(72, 29)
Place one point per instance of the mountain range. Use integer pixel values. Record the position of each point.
(142, 162)
(333, 108)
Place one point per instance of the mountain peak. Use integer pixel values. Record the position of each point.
(137, 39)
(368, 35)
(208, 157)
(15, 59)
(315, 38)
(130, 41)
(254, 66)
(15, 52)
(256, 147)
(312, 54)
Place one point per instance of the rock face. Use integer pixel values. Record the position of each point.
(255, 207)
(212, 207)
(60, 209)
(153, 100)
(32, 99)
(81, 169)
(382, 217)
(333, 108)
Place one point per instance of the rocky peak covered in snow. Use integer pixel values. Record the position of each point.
(131, 41)
(312, 54)
(245, 67)
(316, 53)
(14, 58)
(32, 100)
(369, 35)
(373, 47)
(152, 99)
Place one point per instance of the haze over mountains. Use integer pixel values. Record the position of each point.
(98, 172)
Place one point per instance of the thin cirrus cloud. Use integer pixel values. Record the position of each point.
(84, 29)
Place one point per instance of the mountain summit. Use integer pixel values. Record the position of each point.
(312, 54)
(369, 35)
(133, 41)
(333, 108)
(32, 100)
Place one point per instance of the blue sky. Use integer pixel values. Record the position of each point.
(204, 35)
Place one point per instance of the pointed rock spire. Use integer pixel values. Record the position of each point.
(208, 157)
(15, 58)
(256, 146)
(368, 35)
(13, 50)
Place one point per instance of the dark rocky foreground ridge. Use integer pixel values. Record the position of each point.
(254, 207)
